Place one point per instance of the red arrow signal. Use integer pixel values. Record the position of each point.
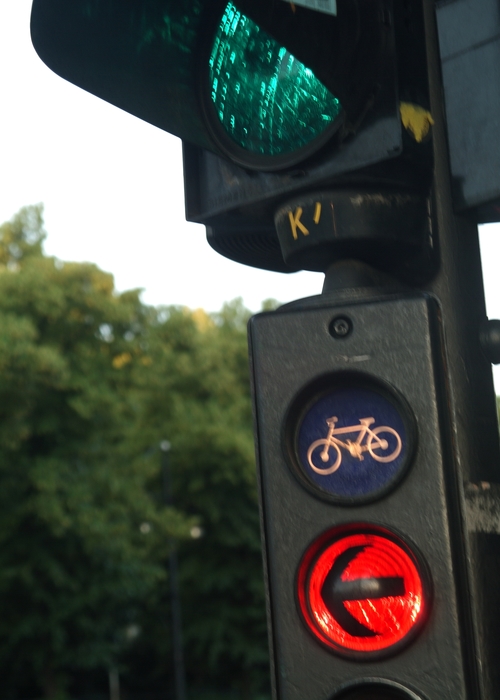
(362, 592)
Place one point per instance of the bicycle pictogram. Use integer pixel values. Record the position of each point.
(383, 443)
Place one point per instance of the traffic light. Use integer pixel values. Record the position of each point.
(223, 76)
(270, 98)
(317, 140)
(363, 537)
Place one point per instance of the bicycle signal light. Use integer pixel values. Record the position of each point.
(353, 441)
(362, 592)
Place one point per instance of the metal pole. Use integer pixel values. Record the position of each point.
(179, 671)
(459, 288)
(114, 684)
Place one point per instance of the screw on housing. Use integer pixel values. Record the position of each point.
(340, 327)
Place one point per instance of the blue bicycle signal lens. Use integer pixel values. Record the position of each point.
(353, 443)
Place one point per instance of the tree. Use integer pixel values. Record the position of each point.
(74, 564)
(90, 382)
(196, 394)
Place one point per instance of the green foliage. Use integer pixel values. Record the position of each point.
(90, 382)
(74, 565)
(22, 237)
(196, 390)
(270, 304)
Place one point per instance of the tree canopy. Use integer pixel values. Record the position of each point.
(90, 382)
(196, 390)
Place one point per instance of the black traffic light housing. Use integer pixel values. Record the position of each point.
(373, 153)
(151, 59)
(389, 362)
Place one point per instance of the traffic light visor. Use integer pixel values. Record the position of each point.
(202, 70)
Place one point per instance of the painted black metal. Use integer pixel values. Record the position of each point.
(377, 689)
(472, 405)
(381, 227)
(238, 206)
(397, 341)
(426, 338)
(490, 340)
(469, 34)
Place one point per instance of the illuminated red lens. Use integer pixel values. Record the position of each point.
(363, 592)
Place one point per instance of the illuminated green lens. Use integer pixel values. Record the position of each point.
(267, 101)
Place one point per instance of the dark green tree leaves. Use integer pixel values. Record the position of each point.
(90, 382)
(74, 565)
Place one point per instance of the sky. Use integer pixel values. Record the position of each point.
(112, 187)
(113, 194)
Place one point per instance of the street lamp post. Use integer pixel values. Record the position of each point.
(179, 671)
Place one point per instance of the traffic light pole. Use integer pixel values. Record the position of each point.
(459, 287)
(448, 249)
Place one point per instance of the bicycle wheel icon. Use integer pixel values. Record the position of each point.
(384, 444)
(324, 457)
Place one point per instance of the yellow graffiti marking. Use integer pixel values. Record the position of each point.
(317, 213)
(416, 120)
(296, 223)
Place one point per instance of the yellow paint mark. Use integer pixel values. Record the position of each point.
(317, 213)
(416, 120)
(121, 360)
(296, 223)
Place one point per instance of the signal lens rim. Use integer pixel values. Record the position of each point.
(230, 148)
(318, 388)
(322, 544)
(395, 690)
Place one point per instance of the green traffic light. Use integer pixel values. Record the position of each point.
(268, 102)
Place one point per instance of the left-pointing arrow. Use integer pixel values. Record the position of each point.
(335, 591)
(362, 591)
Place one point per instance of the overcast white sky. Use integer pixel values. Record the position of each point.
(112, 187)
(113, 192)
